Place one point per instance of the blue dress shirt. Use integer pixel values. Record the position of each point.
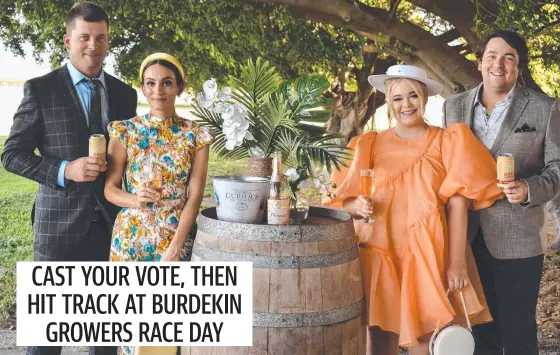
(84, 88)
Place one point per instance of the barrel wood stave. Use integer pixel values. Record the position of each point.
(308, 295)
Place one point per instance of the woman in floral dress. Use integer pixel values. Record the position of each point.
(154, 226)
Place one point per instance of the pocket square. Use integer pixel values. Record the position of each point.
(524, 128)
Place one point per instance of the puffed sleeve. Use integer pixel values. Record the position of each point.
(471, 169)
(347, 180)
(119, 131)
(204, 137)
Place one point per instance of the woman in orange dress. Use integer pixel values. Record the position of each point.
(412, 255)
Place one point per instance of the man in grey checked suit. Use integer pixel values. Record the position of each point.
(72, 220)
(509, 118)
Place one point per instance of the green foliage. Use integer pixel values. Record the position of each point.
(16, 238)
(210, 38)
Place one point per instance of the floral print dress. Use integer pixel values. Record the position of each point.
(152, 143)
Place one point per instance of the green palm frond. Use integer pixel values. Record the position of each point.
(219, 148)
(311, 130)
(275, 119)
(208, 118)
(303, 95)
(317, 116)
(257, 81)
(324, 153)
(287, 142)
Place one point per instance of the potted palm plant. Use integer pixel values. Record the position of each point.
(259, 114)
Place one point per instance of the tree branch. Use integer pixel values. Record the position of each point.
(394, 5)
(547, 26)
(450, 35)
(435, 52)
(460, 13)
(489, 6)
(546, 55)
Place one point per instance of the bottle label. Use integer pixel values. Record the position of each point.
(279, 211)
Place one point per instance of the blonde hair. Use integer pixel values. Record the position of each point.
(418, 87)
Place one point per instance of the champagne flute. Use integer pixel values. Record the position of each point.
(368, 187)
(156, 183)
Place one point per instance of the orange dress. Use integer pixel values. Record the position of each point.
(404, 254)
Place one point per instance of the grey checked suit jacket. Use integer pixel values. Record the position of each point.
(50, 118)
(511, 231)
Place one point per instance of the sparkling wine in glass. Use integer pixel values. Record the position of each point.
(154, 180)
(368, 187)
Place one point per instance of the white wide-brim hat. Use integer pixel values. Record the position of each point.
(408, 72)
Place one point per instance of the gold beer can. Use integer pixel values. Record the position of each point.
(506, 170)
(97, 146)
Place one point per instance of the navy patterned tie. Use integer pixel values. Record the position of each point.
(94, 115)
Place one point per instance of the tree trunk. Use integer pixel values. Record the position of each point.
(352, 111)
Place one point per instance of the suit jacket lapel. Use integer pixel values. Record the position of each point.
(71, 96)
(518, 102)
(111, 100)
(468, 105)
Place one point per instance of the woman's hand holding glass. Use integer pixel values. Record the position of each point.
(145, 194)
(363, 207)
(148, 191)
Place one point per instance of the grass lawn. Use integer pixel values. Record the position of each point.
(16, 238)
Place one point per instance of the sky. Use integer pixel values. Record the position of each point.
(17, 68)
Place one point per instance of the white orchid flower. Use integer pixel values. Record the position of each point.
(225, 94)
(292, 174)
(210, 89)
(202, 102)
(317, 183)
(229, 112)
(239, 134)
(243, 123)
(240, 110)
(221, 107)
(230, 144)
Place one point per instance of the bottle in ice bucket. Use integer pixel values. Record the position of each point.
(278, 208)
(506, 169)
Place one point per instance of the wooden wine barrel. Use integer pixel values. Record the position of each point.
(308, 295)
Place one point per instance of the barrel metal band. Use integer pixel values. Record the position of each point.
(277, 262)
(311, 319)
(343, 228)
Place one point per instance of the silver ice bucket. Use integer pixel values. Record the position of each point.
(240, 198)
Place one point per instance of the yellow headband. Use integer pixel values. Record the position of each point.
(161, 56)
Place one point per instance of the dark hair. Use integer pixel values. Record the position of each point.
(178, 78)
(511, 38)
(88, 12)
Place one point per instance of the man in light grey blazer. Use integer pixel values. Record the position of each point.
(509, 118)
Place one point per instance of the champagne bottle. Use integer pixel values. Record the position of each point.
(278, 198)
